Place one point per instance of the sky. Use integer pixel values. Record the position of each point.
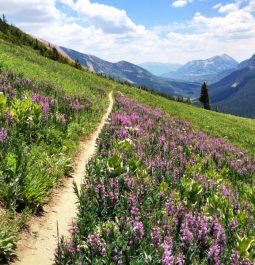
(139, 31)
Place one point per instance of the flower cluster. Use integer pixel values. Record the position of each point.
(3, 134)
(173, 195)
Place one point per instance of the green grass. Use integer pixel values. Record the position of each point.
(238, 131)
(26, 61)
(30, 64)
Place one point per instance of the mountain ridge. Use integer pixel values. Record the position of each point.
(235, 93)
(209, 70)
(134, 74)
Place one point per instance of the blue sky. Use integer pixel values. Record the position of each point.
(160, 12)
(174, 31)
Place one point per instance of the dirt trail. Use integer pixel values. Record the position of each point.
(37, 247)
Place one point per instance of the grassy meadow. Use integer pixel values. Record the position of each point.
(46, 107)
(238, 131)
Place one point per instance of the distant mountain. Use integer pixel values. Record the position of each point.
(236, 93)
(160, 69)
(135, 75)
(210, 70)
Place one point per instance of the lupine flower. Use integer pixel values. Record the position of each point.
(156, 237)
(170, 207)
(62, 119)
(219, 233)
(96, 244)
(168, 258)
(137, 230)
(233, 225)
(202, 227)
(135, 213)
(3, 135)
(214, 254)
(234, 258)
(187, 230)
(180, 260)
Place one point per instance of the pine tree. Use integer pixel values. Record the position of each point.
(55, 54)
(4, 19)
(204, 96)
(77, 64)
(3, 24)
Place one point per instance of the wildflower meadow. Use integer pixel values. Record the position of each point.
(39, 127)
(160, 192)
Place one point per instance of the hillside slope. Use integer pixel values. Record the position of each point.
(236, 93)
(49, 106)
(162, 193)
(31, 64)
(212, 123)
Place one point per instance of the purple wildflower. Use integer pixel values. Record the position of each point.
(3, 134)
(168, 258)
(214, 254)
(156, 236)
(96, 244)
(137, 230)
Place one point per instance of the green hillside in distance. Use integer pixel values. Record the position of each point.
(239, 131)
(30, 63)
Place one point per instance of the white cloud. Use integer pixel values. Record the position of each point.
(109, 33)
(217, 6)
(181, 3)
(228, 8)
(32, 10)
(251, 6)
(238, 24)
(108, 18)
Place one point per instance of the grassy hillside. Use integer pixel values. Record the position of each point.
(238, 131)
(45, 107)
(159, 192)
(235, 93)
(29, 62)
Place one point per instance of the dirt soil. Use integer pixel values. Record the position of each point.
(37, 245)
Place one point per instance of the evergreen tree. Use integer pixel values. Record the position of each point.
(3, 24)
(55, 54)
(204, 96)
(4, 19)
(77, 64)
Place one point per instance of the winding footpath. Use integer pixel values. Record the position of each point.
(37, 246)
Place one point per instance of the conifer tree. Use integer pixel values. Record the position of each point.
(4, 19)
(77, 64)
(204, 96)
